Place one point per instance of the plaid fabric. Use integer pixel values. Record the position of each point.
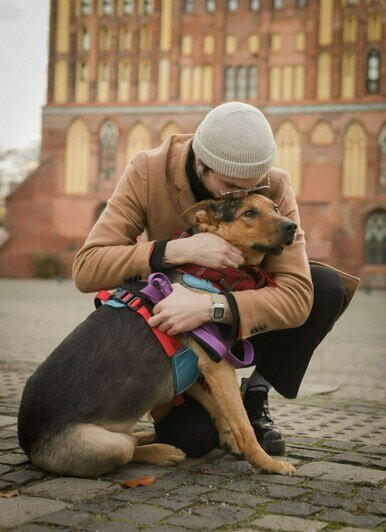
(228, 279)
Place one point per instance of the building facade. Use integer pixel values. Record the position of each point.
(125, 74)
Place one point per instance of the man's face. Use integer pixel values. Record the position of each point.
(220, 185)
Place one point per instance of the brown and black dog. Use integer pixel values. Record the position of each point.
(79, 408)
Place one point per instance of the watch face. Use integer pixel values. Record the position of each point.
(218, 313)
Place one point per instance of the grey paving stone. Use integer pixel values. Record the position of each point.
(297, 440)
(13, 458)
(7, 421)
(292, 508)
(350, 529)
(4, 469)
(373, 449)
(350, 458)
(210, 517)
(377, 508)
(8, 445)
(18, 510)
(23, 476)
(173, 501)
(97, 505)
(69, 489)
(139, 494)
(348, 518)
(33, 528)
(4, 485)
(231, 497)
(280, 479)
(209, 480)
(140, 514)
(340, 445)
(67, 518)
(286, 523)
(285, 492)
(342, 472)
(381, 464)
(306, 453)
(106, 526)
(328, 487)
(331, 501)
(6, 433)
(370, 494)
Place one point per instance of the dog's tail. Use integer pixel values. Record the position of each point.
(83, 450)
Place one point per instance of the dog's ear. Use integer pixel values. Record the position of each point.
(211, 212)
(199, 213)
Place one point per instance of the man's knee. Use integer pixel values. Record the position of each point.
(329, 291)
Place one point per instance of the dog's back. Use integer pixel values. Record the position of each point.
(102, 373)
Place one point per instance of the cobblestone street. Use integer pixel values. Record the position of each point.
(335, 433)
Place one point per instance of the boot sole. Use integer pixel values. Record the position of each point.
(275, 447)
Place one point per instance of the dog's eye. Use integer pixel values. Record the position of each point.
(250, 213)
(276, 208)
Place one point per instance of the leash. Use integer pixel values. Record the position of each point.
(207, 335)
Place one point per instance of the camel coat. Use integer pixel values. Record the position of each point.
(152, 194)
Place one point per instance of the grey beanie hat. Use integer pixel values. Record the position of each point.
(235, 139)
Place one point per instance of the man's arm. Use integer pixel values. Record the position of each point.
(110, 252)
(289, 304)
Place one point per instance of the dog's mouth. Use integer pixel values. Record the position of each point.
(274, 250)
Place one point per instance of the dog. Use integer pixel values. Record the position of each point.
(79, 408)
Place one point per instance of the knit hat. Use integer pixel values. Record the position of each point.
(235, 139)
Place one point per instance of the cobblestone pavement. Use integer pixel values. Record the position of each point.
(335, 434)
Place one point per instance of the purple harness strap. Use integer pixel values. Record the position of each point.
(159, 287)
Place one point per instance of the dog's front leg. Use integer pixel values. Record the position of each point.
(222, 380)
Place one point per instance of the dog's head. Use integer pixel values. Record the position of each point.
(252, 223)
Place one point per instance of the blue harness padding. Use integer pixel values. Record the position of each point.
(184, 361)
(185, 369)
(202, 284)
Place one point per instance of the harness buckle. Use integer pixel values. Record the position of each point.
(132, 301)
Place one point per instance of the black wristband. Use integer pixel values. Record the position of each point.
(231, 331)
(157, 255)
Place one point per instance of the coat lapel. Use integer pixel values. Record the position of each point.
(185, 195)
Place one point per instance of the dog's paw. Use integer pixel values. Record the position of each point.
(167, 455)
(279, 467)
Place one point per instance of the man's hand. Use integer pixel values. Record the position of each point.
(204, 249)
(181, 311)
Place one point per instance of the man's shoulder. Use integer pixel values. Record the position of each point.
(172, 146)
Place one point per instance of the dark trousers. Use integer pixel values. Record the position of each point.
(283, 357)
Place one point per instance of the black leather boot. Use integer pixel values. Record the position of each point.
(255, 399)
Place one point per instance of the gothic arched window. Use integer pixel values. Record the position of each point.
(375, 238)
(108, 138)
(373, 68)
(382, 158)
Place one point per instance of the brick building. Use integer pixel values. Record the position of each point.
(125, 74)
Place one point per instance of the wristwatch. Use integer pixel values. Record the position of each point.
(217, 312)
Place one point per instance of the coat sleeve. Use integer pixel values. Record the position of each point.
(111, 251)
(289, 304)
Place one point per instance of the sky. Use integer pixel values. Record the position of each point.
(24, 26)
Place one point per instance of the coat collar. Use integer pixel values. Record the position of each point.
(185, 195)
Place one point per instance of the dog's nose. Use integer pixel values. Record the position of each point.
(288, 227)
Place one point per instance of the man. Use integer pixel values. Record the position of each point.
(231, 154)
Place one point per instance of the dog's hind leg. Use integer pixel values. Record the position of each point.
(159, 454)
(144, 437)
(84, 450)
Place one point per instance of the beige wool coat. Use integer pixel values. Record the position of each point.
(152, 194)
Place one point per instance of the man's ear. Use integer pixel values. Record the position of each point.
(201, 212)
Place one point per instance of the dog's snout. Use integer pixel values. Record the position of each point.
(288, 226)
